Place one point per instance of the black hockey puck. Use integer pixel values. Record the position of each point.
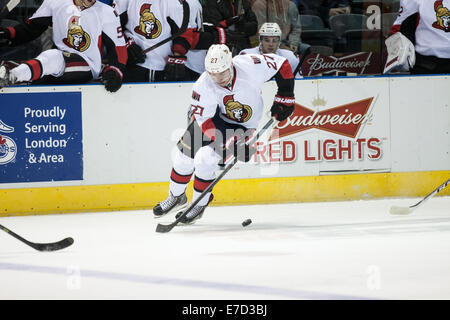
(246, 222)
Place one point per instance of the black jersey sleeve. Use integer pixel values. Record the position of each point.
(30, 30)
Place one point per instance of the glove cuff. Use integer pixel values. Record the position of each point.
(130, 42)
(12, 32)
(180, 60)
(117, 70)
(287, 101)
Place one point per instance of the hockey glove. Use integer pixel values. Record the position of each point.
(282, 107)
(401, 53)
(112, 78)
(250, 29)
(175, 69)
(236, 41)
(233, 20)
(135, 54)
(5, 37)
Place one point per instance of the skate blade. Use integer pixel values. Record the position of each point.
(174, 209)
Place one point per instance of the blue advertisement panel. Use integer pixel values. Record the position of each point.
(40, 137)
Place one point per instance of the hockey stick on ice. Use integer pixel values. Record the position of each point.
(53, 246)
(8, 8)
(407, 210)
(183, 28)
(162, 228)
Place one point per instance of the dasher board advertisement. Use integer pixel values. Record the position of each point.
(40, 137)
(335, 128)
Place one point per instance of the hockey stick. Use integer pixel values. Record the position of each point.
(183, 28)
(407, 210)
(162, 228)
(53, 246)
(8, 8)
(301, 60)
(238, 12)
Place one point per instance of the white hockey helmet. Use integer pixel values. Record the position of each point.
(218, 58)
(270, 29)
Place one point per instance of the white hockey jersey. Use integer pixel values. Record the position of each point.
(433, 27)
(80, 32)
(147, 25)
(288, 54)
(242, 103)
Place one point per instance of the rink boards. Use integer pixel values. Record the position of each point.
(80, 148)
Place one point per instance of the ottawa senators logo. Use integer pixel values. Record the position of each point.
(149, 26)
(235, 110)
(77, 39)
(442, 16)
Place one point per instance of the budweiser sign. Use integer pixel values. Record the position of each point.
(358, 63)
(344, 120)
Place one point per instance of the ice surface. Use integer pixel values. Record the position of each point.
(332, 250)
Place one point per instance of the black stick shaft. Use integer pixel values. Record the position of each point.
(431, 194)
(15, 235)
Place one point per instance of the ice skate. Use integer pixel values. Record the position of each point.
(195, 214)
(172, 203)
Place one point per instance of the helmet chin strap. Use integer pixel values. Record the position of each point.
(231, 77)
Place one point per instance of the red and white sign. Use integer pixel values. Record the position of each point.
(345, 120)
(357, 63)
(315, 134)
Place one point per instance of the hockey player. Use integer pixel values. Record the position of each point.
(420, 38)
(269, 42)
(80, 30)
(227, 106)
(148, 22)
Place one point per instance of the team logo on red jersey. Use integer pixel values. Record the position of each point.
(149, 26)
(76, 38)
(442, 17)
(235, 110)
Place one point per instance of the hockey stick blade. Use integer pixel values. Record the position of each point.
(164, 228)
(52, 246)
(399, 210)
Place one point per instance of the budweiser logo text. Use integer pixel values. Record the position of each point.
(344, 120)
(355, 63)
